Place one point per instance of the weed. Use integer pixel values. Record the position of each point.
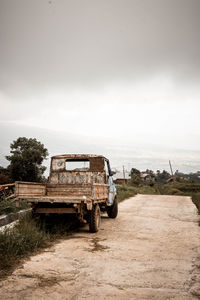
(9, 206)
(196, 200)
(125, 191)
(27, 237)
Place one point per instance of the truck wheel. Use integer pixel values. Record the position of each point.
(94, 218)
(113, 210)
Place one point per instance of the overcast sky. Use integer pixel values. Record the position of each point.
(124, 73)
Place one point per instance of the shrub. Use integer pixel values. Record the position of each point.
(180, 188)
(196, 200)
(147, 189)
(125, 191)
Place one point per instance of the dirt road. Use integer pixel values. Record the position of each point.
(149, 252)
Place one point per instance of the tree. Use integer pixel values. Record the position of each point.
(162, 177)
(135, 171)
(135, 177)
(26, 159)
(4, 175)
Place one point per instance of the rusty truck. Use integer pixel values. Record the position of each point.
(80, 184)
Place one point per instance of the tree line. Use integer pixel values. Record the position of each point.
(28, 154)
(161, 177)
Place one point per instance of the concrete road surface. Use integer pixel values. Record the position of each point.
(149, 252)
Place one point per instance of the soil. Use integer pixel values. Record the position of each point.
(150, 251)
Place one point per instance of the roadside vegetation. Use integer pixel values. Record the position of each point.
(196, 201)
(126, 191)
(28, 237)
(19, 241)
(8, 206)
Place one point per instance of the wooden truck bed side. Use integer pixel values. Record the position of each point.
(39, 192)
(23, 189)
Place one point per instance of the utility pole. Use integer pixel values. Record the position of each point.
(171, 168)
(124, 175)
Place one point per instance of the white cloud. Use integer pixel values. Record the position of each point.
(154, 110)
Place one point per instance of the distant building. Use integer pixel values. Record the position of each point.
(147, 176)
(119, 177)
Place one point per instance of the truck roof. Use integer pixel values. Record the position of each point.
(78, 156)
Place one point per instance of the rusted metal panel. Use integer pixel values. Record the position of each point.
(58, 163)
(71, 190)
(59, 174)
(68, 177)
(48, 210)
(55, 199)
(97, 164)
(100, 191)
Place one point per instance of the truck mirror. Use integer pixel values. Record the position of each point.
(112, 173)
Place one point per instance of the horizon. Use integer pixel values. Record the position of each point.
(129, 156)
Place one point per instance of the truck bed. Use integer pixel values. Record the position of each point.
(62, 193)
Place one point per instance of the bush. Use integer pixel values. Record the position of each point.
(196, 200)
(169, 189)
(125, 191)
(148, 190)
(180, 188)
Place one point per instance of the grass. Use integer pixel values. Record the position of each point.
(9, 206)
(127, 191)
(28, 237)
(191, 189)
(180, 188)
(196, 201)
(15, 243)
(147, 189)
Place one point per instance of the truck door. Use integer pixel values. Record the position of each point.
(109, 179)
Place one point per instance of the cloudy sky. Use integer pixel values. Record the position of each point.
(114, 77)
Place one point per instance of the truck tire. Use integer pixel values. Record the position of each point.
(94, 218)
(113, 209)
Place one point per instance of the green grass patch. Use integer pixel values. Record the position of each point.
(9, 206)
(196, 200)
(180, 188)
(191, 189)
(29, 236)
(15, 243)
(148, 190)
(125, 191)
